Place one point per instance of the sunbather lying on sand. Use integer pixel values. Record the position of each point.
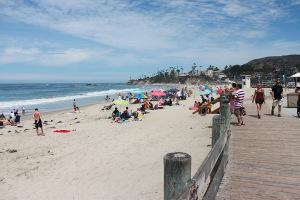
(108, 107)
(5, 122)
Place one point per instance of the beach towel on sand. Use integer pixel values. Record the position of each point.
(61, 131)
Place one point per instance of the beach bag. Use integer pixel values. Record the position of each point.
(243, 111)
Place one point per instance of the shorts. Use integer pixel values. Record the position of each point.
(277, 102)
(259, 101)
(238, 112)
(38, 124)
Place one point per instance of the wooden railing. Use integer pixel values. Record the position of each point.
(205, 183)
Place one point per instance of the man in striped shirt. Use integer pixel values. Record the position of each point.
(238, 104)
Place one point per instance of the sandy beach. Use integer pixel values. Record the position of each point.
(98, 159)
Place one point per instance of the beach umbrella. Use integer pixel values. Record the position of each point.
(158, 93)
(120, 102)
(205, 92)
(141, 96)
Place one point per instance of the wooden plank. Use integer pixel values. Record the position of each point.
(264, 160)
(208, 164)
(215, 183)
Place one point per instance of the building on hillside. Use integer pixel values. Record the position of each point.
(222, 75)
(183, 77)
(246, 80)
(209, 73)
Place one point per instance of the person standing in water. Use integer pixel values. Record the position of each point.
(76, 108)
(38, 121)
(23, 110)
(259, 98)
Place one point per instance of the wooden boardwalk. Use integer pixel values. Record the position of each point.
(264, 159)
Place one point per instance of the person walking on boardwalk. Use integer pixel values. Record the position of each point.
(259, 98)
(277, 94)
(238, 104)
(38, 121)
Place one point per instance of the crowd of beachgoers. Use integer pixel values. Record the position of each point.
(144, 102)
(206, 97)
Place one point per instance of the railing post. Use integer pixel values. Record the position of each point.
(218, 127)
(225, 109)
(177, 173)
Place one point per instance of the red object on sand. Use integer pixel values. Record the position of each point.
(158, 93)
(62, 131)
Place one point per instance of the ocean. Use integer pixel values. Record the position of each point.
(58, 96)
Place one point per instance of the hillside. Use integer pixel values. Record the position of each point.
(267, 68)
(269, 65)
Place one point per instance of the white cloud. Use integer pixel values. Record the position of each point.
(150, 32)
(295, 2)
(126, 24)
(48, 58)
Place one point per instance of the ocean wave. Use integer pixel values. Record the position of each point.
(31, 102)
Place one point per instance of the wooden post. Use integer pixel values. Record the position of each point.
(225, 109)
(177, 173)
(218, 123)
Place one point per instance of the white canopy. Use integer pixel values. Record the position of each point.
(297, 75)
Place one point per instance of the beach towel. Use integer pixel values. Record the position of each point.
(193, 108)
(61, 131)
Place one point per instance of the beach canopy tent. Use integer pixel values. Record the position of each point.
(120, 102)
(173, 90)
(158, 93)
(297, 75)
(297, 79)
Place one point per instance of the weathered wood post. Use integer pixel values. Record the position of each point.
(218, 126)
(225, 109)
(177, 173)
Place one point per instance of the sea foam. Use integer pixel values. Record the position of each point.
(31, 102)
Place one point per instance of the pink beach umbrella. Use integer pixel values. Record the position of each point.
(158, 93)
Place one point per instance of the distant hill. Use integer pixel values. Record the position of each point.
(262, 69)
(276, 65)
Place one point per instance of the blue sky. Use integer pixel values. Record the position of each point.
(113, 40)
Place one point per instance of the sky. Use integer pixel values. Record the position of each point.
(115, 40)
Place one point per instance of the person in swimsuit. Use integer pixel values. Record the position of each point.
(259, 98)
(38, 121)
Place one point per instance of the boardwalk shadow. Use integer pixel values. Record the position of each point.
(254, 116)
(268, 115)
(234, 123)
